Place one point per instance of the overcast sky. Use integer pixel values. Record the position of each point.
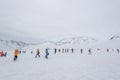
(37, 20)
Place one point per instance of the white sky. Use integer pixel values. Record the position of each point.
(37, 20)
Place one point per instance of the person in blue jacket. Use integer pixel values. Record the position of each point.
(47, 53)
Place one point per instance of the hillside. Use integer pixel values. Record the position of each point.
(9, 45)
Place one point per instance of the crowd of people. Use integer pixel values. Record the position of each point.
(72, 50)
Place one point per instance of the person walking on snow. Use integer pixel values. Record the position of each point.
(107, 50)
(37, 53)
(89, 51)
(81, 50)
(55, 50)
(47, 53)
(72, 50)
(1, 54)
(5, 54)
(15, 54)
(118, 50)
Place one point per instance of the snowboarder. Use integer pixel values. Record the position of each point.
(37, 53)
(118, 50)
(15, 54)
(81, 50)
(47, 53)
(89, 51)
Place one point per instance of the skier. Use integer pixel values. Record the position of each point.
(89, 51)
(15, 54)
(37, 53)
(47, 53)
(55, 50)
(81, 50)
(118, 50)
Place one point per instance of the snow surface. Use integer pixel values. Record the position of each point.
(61, 66)
(100, 65)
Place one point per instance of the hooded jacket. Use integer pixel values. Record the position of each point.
(16, 52)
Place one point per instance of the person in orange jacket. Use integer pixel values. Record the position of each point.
(37, 53)
(15, 54)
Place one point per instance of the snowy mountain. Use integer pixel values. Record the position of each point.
(113, 42)
(70, 41)
(8, 45)
(82, 40)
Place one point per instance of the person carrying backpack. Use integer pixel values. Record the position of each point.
(37, 53)
(47, 53)
(15, 54)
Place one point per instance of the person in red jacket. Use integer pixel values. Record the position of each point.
(1, 54)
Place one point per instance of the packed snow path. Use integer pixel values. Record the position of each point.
(61, 67)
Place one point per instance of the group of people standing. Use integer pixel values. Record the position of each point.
(72, 50)
(64, 50)
(89, 50)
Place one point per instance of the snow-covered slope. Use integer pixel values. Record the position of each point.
(113, 42)
(9, 45)
(61, 66)
(77, 41)
(100, 65)
(117, 36)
